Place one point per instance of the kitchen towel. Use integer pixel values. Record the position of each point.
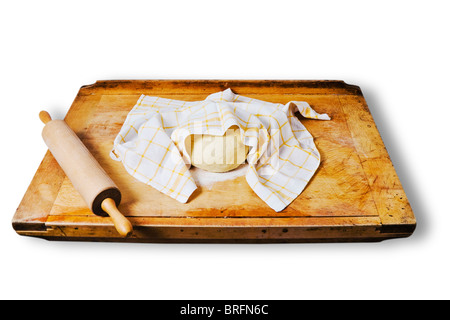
(282, 155)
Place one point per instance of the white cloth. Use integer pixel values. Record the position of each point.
(282, 155)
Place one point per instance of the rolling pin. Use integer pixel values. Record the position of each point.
(87, 176)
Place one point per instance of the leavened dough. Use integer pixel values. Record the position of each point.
(217, 153)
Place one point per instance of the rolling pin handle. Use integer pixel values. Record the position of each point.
(123, 226)
(45, 116)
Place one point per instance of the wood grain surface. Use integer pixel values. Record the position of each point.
(355, 194)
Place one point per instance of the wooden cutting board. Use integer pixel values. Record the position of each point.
(355, 194)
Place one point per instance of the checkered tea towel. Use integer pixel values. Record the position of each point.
(282, 156)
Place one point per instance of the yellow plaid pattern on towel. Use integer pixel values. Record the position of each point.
(282, 155)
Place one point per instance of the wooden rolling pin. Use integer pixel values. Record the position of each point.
(87, 176)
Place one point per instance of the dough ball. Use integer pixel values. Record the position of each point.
(217, 153)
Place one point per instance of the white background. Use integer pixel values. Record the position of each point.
(396, 51)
